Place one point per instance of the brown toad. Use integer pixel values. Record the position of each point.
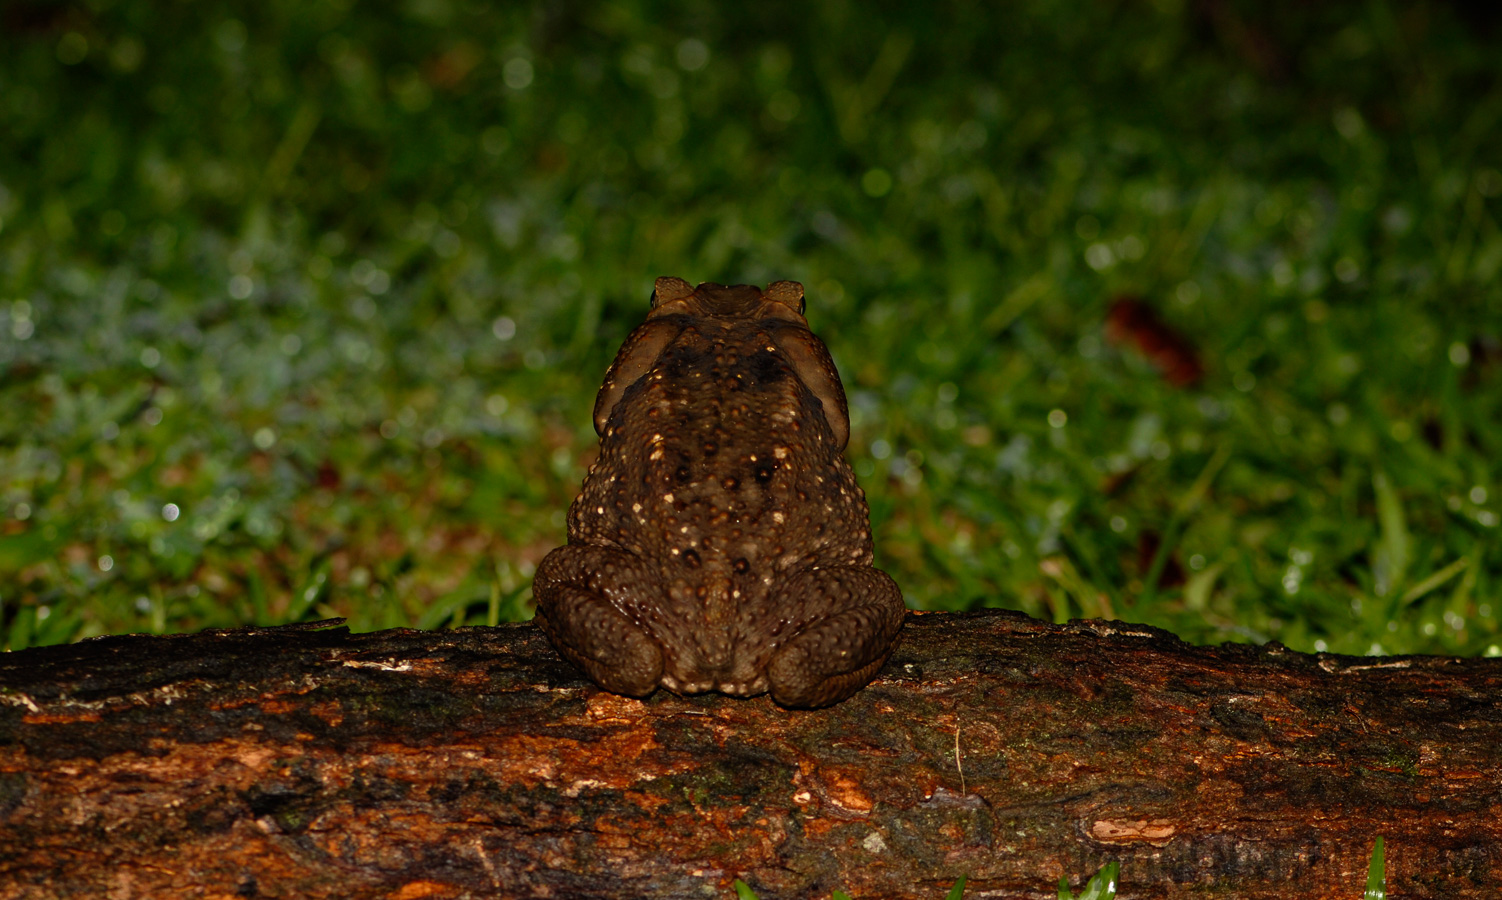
(720, 542)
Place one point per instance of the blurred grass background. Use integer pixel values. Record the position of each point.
(1182, 312)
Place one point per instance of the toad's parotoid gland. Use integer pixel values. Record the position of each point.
(720, 542)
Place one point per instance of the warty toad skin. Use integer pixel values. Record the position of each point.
(720, 542)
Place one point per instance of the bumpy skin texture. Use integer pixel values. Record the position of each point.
(720, 541)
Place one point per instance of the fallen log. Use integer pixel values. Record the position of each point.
(310, 762)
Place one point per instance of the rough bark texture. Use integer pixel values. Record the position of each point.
(315, 763)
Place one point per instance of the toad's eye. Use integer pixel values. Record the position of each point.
(668, 289)
(788, 293)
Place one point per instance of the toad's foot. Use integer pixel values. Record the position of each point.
(572, 589)
(834, 655)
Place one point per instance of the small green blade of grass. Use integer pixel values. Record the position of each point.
(839, 895)
(1101, 887)
(1376, 874)
(1460, 599)
(1093, 602)
(1418, 591)
(1391, 557)
(1186, 507)
(443, 611)
(57, 628)
(743, 890)
(21, 629)
(313, 589)
(18, 551)
(255, 588)
(1018, 302)
(1197, 591)
(958, 891)
(158, 614)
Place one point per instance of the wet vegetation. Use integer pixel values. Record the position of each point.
(1184, 313)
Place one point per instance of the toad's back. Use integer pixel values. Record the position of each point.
(721, 481)
(720, 461)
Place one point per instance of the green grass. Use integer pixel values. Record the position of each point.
(302, 305)
(1102, 886)
(743, 891)
(1376, 873)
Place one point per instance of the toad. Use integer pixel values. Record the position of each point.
(720, 541)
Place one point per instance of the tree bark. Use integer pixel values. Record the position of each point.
(308, 762)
